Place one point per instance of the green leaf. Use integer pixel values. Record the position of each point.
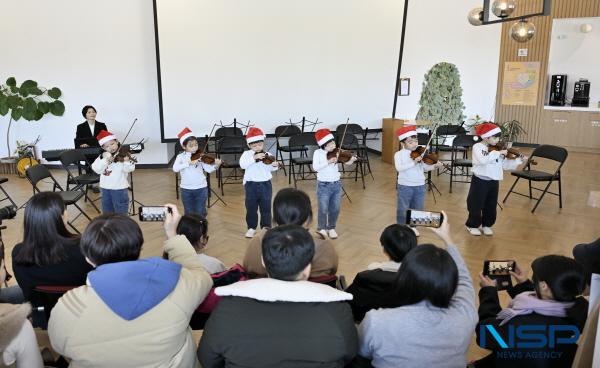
(29, 84)
(11, 82)
(36, 91)
(28, 115)
(38, 115)
(13, 102)
(4, 108)
(24, 92)
(14, 89)
(30, 106)
(57, 108)
(44, 107)
(55, 93)
(16, 113)
(3, 98)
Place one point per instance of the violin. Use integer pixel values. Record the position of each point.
(205, 158)
(267, 160)
(429, 158)
(511, 153)
(342, 155)
(123, 152)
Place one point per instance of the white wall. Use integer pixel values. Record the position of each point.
(102, 53)
(576, 54)
(438, 31)
(97, 52)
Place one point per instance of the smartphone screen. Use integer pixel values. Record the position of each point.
(152, 213)
(499, 268)
(424, 218)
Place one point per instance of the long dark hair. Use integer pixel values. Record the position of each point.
(45, 235)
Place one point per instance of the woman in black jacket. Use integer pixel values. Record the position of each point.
(49, 254)
(549, 307)
(372, 288)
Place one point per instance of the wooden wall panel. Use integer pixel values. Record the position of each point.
(538, 50)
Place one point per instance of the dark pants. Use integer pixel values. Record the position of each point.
(194, 200)
(481, 202)
(258, 196)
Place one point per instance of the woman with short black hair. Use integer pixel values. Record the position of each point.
(89, 129)
(434, 323)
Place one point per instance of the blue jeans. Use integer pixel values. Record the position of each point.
(194, 200)
(115, 201)
(409, 197)
(258, 196)
(329, 196)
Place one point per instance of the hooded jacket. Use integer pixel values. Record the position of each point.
(133, 314)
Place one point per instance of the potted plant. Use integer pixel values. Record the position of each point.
(511, 130)
(28, 101)
(441, 96)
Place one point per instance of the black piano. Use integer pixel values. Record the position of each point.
(90, 153)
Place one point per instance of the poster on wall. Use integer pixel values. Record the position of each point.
(521, 83)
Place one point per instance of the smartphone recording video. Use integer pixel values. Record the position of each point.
(424, 218)
(498, 268)
(152, 213)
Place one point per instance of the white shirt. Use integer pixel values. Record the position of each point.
(192, 176)
(92, 128)
(410, 173)
(389, 266)
(255, 171)
(489, 165)
(326, 171)
(114, 175)
(211, 264)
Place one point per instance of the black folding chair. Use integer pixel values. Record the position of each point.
(546, 151)
(361, 135)
(285, 131)
(6, 196)
(459, 166)
(302, 142)
(37, 173)
(83, 177)
(442, 133)
(233, 147)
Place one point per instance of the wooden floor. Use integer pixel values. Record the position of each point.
(519, 234)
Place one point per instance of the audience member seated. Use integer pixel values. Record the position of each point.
(283, 320)
(434, 325)
(373, 288)
(588, 256)
(292, 207)
(553, 298)
(195, 229)
(8, 294)
(132, 312)
(49, 254)
(18, 344)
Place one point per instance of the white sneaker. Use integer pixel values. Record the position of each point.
(332, 234)
(250, 233)
(414, 229)
(323, 233)
(474, 231)
(487, 231)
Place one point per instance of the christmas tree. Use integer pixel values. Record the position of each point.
(441, 97)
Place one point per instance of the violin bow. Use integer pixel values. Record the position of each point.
(342, 141)
(126, 136)
(430, 139)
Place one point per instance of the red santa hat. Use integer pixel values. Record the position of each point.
(323, 136)
(184, 134)
(104, 137)
(254, 135)
(486, 130)
(406, 131)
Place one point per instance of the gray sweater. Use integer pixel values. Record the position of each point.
(421, 335)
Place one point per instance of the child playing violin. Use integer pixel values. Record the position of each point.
(194, 187)
(411, 178)
(113, 174)
(487, 173)
(329, 186)
(257, 181)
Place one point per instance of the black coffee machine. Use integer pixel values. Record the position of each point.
(558, 90)
(581, 93)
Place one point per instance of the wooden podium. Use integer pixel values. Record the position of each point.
(389, 142)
